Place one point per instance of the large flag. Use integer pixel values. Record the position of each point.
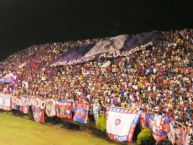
(108, 45)
(81, 112)
(121, 123)
(64, 109)
(5, 102)
(140, 39)
(160, 126)
(73, 55)
(106, 64)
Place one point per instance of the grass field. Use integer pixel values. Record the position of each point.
(20, 131)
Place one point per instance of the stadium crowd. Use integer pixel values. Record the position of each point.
(157, 79)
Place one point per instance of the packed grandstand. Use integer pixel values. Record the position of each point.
(145, 78)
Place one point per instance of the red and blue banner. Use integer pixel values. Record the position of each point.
(160, 126)
(81, 112)
(64, 109)
(144, 117)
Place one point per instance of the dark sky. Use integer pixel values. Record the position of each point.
(27, 22)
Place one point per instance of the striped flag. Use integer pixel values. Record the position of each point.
(64, 109)
(81, 112)
(144, 117)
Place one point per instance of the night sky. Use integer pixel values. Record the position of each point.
(27, 22)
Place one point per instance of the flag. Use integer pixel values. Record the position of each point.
(107, 46)
(81, 112)
(121, 123)
(158, 126)
(9, 78)
(106, 64)
(24, 105)
(171, 134)
(5, 102)
(182, 138)
(38, 112)
(166, 124)
(64, 109)
(34, 64)
(144, 117)
(50, 108)
(14, 103)
(96, 110)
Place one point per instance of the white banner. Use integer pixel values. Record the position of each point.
(5, 102)
(121, 123)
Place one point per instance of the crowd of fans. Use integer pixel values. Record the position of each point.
(157, 79)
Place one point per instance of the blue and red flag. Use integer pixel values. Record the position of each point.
(160, 126)
(38, 114)
(81, 112)
(64, 109)
(144, 117)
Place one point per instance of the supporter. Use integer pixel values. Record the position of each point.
(157, 79)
